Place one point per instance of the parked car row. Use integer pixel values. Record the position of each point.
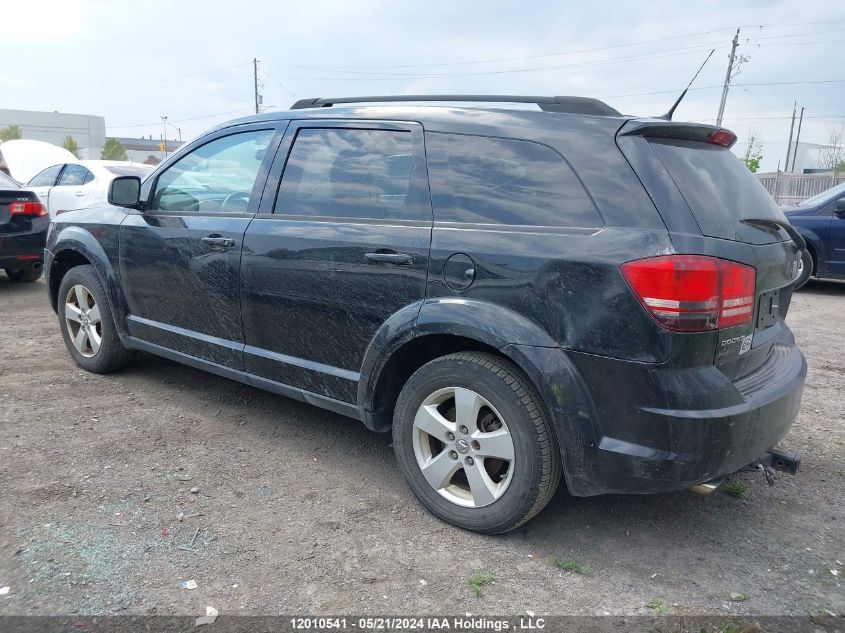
(54, 182)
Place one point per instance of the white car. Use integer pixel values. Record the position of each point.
(23, 158)
(82, 184)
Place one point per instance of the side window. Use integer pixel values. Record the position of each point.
(75, 175)
(217, 177)
(476, 179)
(349, 174)
(46, 178)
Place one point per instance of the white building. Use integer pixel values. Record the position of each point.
(89, 131)
(806, 156)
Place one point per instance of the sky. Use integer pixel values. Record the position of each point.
(134, 62)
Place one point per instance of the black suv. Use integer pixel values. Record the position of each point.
(517, 294)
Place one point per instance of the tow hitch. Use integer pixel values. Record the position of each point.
(776, 460)
(770, 462)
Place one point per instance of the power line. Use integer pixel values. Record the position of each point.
(677, 90)
(622, 60)
(572, 52)
(513, 59)
(196, 118)
(142, 84)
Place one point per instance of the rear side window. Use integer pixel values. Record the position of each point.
(719, 190)
(75, 175)
(481, 180)
(348, 173)
(46, 178)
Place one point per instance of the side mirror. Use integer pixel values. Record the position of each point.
(125, 191)
(839, 207)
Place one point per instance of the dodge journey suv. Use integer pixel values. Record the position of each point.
(520, 296)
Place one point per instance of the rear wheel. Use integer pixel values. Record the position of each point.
(805, 269)
(86, 322)
(23, 274)
(474, 444)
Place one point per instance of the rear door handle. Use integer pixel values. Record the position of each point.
(219, 241)
(398, 259)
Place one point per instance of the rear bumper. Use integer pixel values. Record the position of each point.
(657, 429)
(22, 250)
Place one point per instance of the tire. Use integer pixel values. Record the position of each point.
(500, 401)
(80, 294)
(23, 275)
(806, 269)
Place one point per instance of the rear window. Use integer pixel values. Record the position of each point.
(719, 190)
(481, 180)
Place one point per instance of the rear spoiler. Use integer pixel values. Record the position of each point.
(771, 223)
(659, 128)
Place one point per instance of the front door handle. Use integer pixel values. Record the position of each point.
(399, 259)
(219, 241)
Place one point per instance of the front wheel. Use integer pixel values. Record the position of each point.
(474, 444)
(86, 322)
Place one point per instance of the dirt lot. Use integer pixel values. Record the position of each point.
(303, 511)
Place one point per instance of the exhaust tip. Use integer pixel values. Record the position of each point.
(37, 266)
(707, 487)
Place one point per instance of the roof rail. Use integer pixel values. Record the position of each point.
(572, 105)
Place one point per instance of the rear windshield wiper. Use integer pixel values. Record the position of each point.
(771, 223)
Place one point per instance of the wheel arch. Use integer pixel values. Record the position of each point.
(440, 327)
(816, 247)
(75, 246)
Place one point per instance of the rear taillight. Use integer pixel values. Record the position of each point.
(693, 293)
(30, 207)
(725, 138)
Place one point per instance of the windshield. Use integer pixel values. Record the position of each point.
(719, 190)
(824, 196)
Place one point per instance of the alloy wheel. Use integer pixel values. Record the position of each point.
(463, 447)
(82, 317)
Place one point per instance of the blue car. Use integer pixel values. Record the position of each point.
(821, 222)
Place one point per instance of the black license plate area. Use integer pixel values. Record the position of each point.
(768, 309)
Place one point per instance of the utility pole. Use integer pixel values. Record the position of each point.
(257, 96)
(164, 138)
(789, 144)
(728, 79)
(797, 138)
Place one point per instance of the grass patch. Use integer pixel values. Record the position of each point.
(480, 579)
(736, 488)
(569, 564)
(657, 605)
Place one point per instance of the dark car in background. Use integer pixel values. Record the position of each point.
(518, 295)
(23, 231)
(821, 222)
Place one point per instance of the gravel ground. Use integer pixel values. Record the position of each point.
(113, 489)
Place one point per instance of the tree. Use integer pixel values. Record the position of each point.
(832, 155)
(10, 133)
(113, 150)
(753, 152)
(71, 145)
